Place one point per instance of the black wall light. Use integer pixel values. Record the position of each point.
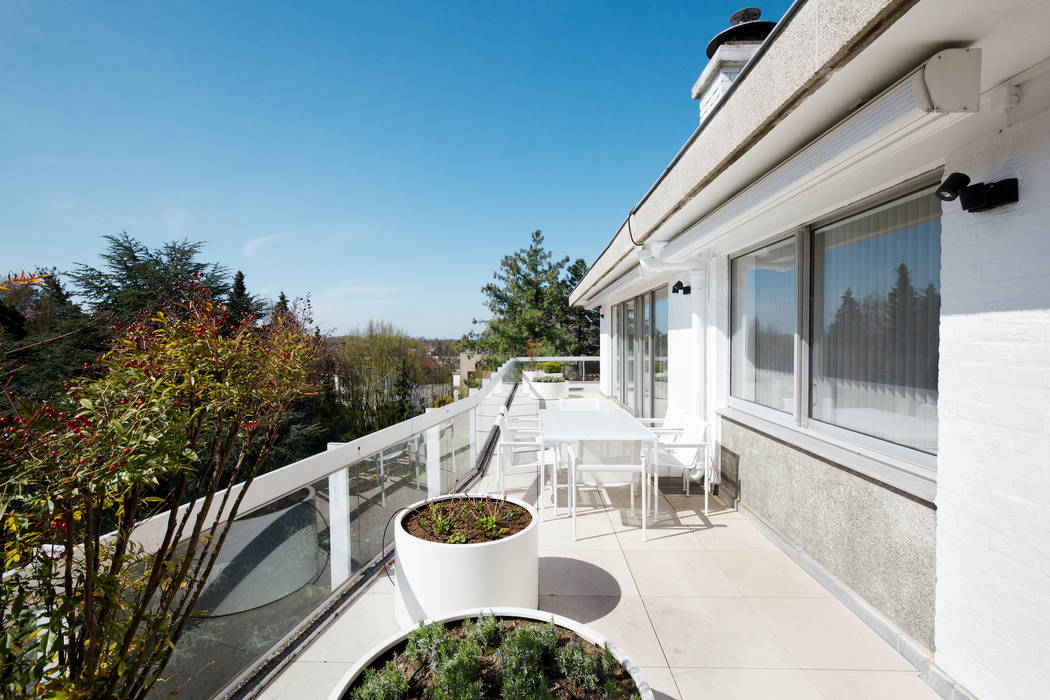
(980, 197)
(680, 286)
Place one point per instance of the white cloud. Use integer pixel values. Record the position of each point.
(252, 247)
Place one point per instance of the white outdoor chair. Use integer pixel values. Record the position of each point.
(514, 441)
(626, 458)
(686, 453)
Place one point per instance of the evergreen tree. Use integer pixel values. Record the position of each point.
(241, 302)
(136, 280)
(529, 301)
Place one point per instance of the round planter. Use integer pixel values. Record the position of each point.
(551, 391)
(532, 374)
(437, 578)
(581, 630)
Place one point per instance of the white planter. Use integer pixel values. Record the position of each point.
(578, 628)
(531, 374)
(551, 391)
(437, 578)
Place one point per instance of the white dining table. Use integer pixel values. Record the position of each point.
(559, 427)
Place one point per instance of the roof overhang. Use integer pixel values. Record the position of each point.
(694, 199)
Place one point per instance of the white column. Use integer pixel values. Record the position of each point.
(698, 295)
(605, 348)
(339, 524)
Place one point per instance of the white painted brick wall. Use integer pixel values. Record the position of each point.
(993, 487)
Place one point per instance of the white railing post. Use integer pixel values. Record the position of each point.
(339, 524)
(433, 438)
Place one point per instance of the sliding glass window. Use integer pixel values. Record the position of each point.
(764, 320)
(873, 281)
(639, 335)
(629, 359)
(876, 309)
(660, 352)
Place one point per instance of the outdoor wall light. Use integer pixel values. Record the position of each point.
(980, 197)
(680, 286)
(951, 186)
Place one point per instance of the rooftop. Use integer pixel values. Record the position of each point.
(710, 606)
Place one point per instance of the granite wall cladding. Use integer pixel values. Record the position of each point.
(875, 540)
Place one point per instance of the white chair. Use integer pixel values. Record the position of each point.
(514, 441)
(685, 452)
(602, 458)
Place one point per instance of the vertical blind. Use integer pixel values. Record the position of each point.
(764, 320)
(876, 311)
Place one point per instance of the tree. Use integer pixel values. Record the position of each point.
(281, 307)
(529, 301)
(177, 398)
(581, 325)
(242, 304)
(136, 280)
(57, 338)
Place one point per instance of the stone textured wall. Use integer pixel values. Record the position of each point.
(878, 542)
(993, 484)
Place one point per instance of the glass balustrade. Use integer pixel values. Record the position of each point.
(287, 560)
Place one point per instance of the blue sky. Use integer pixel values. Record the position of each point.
(381, 157)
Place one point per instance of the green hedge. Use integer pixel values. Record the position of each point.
(549, 367)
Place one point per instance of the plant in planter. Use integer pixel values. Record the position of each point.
(549, 367)
(531, 371)
(460, 552)
(551, 387)
(504, 653)
(467, 519)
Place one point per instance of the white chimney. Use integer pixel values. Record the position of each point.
(729, 52)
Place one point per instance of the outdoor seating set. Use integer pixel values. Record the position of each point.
(600, 444)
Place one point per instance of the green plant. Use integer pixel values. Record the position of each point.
(485, 631)
(458, 676)
(549, 367)
(438, 520)
(457, 538)
(578, 667)
(428, 644)
(522, 654)
(388, 685)
(488, 514)
(549, 379)
(183, 406)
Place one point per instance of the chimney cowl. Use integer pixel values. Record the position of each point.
(745, 26)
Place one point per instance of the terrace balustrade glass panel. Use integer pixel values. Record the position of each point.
(764, 323)
(876, 312)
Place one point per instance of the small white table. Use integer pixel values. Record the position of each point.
(574, 426)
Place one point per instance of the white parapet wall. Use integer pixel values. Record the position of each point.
(993, 481)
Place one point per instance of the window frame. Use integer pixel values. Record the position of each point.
(643, 401)
(911, 460)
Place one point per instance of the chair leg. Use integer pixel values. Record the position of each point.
(554, 484)
(707, 489)
(645, 514)
(573, 486)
